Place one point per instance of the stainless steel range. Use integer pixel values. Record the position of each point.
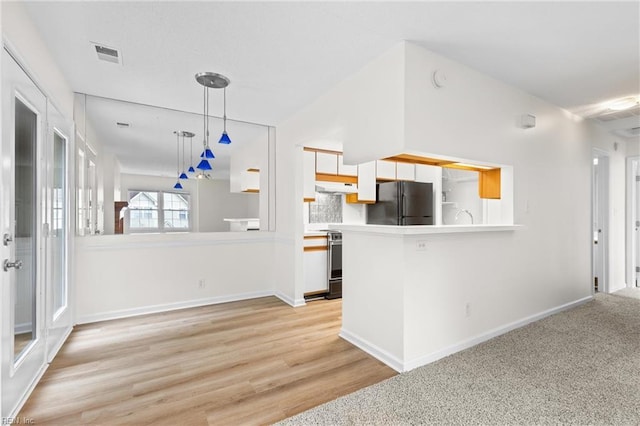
(334, 264)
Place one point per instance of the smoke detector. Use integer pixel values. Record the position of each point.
(107, 54)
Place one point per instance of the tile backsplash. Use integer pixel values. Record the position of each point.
(327, 208)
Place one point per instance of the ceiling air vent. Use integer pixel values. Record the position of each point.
(107, 54)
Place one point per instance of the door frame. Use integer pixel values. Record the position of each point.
(631, 214)
(601, 203)
(44, 165)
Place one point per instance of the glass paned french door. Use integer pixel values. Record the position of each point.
(22, 353)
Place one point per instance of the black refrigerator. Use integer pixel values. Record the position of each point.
(402, 203)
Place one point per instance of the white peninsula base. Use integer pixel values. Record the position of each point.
(414, 294)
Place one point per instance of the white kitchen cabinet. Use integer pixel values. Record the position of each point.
(309, 175)
(367, 181)
(386, 169)
(327, 163)
(346, 170)
(251, 180)
(315, 271)
(405, 171)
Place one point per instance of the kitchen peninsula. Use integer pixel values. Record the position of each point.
(413, 294)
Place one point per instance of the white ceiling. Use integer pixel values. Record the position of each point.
(280, 56)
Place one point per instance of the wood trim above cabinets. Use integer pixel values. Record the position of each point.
(251, 191)
(316, 248)
(315, 237)
(353, 199)
(326, 151)
(416, 159)
(336, 178)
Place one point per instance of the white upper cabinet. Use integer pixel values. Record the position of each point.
(405, 171)
(346, 170)
(309, 175)
(386, 169)
(367, 181)
(251, 180)
(327, 163)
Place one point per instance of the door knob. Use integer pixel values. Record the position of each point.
(7, 264)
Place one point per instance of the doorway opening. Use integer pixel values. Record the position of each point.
(600, 221)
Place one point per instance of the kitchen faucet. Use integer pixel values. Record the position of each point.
(464, 211)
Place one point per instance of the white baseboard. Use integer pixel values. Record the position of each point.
(465, 344)
(403, 366)
(124, 313)
(23, 328)
(54, 351)
(296, 303)
(372, 350)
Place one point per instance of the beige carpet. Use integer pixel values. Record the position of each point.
(633, 292)
(579, 367)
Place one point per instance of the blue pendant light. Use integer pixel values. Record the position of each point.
(183, 175)
(207, 153)
(204, 165)
(190, 136)
(177, 185)
(224, 139)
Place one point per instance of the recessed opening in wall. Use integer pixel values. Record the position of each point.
(461, 204)
(327, 208)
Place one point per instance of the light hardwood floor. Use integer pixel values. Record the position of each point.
(248, 362)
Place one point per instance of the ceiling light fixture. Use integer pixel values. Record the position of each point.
(622, 104)
(178, 185)
(214, 81)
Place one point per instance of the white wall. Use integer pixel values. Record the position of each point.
(474, 116)
(633, 147)
(24, 39)
(123, 275)
(210, 199)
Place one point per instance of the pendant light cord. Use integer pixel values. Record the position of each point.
(178, 153)
(224, 110)
(204, 113)
(183, 153)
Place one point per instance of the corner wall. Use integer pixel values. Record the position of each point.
(364, 113)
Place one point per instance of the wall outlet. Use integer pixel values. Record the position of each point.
(201, 283)
(467, 310)
(421, 245)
